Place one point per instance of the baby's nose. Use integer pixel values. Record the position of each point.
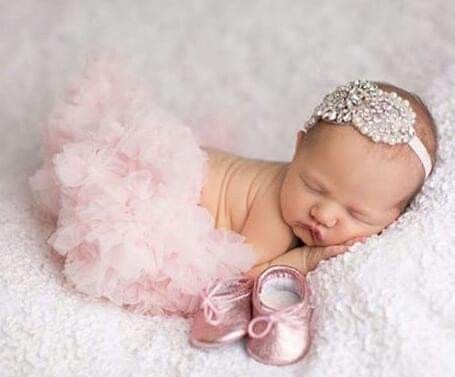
(323, 217)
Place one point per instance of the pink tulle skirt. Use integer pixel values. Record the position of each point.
(122, 178)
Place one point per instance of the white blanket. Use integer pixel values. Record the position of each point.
(385, 308)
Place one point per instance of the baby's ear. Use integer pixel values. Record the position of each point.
(300, 137)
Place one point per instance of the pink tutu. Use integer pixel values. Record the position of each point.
(122, 178)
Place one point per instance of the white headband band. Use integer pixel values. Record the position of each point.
(382, 116)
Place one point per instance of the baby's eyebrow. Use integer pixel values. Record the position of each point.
(354, 208)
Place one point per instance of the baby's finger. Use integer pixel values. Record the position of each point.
(331, 251)
(354, 240)
(318, 254)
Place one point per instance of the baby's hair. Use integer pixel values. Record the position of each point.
(424, 126)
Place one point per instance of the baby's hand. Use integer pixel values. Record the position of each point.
(314, 254)
(305, 258)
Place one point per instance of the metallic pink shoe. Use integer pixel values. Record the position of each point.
(279, 331)
(224, 313)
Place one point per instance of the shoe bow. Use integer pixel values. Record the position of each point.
(211, 312)
(291, 316)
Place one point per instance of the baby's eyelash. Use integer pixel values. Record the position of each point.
(358, 218)
(311, 188)
(351, 213)
(307, 185)
(354, 214)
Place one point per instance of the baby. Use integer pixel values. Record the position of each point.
(341, 186)
(120, 180)
(112, 178)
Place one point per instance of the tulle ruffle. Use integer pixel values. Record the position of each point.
(122, 178)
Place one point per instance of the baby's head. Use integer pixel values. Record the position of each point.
(344, 185)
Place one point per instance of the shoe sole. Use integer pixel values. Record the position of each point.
(269, 362)
(201, 344)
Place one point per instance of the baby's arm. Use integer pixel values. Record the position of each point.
(305, 258)
(294, 258)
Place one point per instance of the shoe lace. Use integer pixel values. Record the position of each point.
(211, 309)
(291, 316)
(211, 312)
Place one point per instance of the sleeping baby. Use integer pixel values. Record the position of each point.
(146, 217)
(346, 180)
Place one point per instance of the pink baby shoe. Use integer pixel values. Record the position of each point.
(279, 331)
(224, 312)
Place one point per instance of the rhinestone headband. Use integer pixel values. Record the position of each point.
(381, 116)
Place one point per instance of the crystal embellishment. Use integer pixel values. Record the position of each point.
(381, 116)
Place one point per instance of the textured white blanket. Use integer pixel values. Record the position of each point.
(386, 308)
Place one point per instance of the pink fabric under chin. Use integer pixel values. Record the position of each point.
(122, 178)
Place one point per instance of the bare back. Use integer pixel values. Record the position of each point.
(242, 195)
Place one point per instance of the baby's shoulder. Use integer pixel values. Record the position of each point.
(242, 194)
(229, 187)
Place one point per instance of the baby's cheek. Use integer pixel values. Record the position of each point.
(297, 213)
(299, 203)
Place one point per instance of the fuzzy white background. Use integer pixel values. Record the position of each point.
(259, 67)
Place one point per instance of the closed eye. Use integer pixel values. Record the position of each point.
(357, 216)
(310, 187)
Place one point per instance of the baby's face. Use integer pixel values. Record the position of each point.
(343, 189)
